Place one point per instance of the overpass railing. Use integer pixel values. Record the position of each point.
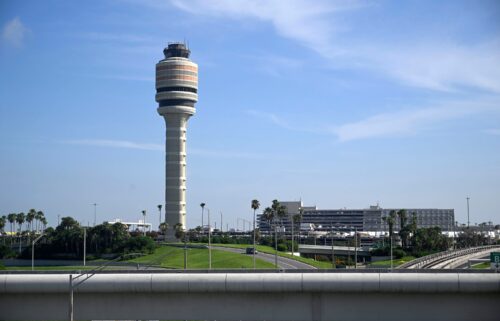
(426, 261)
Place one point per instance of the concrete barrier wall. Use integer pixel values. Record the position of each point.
(268, 296)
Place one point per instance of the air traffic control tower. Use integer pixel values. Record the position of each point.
(176, 94)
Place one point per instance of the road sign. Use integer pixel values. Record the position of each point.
(495, 260)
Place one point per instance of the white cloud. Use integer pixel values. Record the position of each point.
(14, 32)
(409, 122)
(436, 65)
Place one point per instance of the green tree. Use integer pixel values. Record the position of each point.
(428, 240)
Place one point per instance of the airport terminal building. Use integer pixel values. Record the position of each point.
(367, 220)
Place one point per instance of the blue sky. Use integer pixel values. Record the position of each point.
(339, 103)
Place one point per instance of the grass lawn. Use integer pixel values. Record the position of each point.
(270, 250)
(483, 265)
(396, 262)
(51, 268)
(173, 257)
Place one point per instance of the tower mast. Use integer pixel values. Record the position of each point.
(176, 94)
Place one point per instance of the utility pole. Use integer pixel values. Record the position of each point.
(84, 246)
(95, 213)
(33, 252)
(333, 251)
(221, 226)
(209, 243)
(276, 246)
(391, 253)
(355, 248)
(468, 220)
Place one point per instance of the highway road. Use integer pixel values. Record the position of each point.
(283, 262)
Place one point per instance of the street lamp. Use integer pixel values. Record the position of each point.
(209, 243)
(33, 252)
(202, 209)
(355, 247)
(333, 250)
(95, 213)
(144, 222)
(159, 209)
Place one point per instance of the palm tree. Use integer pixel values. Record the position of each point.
(163, 227)
(391, 219)
(144, 221)
(3, 220)
(297, 218)
(38, 217)
(268, 215)
(255, 206)
(159, 209)
(29, 218)
(403, 229)
(12, 220)
(44, 223)
(20, 220)
(202, 209)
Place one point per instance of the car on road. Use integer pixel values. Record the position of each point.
(251, 250)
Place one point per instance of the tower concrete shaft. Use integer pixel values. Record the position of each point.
(176, 94)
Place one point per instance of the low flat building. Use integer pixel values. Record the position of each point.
(368, 220)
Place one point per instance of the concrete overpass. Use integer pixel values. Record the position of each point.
(326, 250)
(253, 296)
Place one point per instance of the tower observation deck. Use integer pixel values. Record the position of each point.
(176, 94)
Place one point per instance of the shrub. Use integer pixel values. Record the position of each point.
(142, 244)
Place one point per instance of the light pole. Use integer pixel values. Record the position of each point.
(468, 220)
(95, 213)
(209, 243)
(202, 209)
(159, 209)
(333, 250)
(84, 246)
(33, 252)
(355, 246)
(144, 222)
(390, 236)
(276, 245)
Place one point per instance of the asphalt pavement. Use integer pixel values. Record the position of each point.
(283, 262)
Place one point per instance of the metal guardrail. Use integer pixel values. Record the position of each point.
(433, 259)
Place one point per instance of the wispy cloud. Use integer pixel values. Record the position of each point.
(14, 32)
(115, 144)
(395, 124)
(409, 122)
(319, 25)
(281, 122)
(210, 153)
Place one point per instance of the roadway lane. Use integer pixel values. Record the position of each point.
(283, 262)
